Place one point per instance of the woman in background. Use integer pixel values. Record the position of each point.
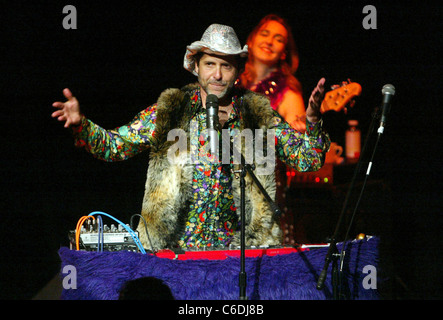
(272, 62)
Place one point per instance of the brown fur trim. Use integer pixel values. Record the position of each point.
(169, 187)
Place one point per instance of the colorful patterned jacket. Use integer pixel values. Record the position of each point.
(191, 203)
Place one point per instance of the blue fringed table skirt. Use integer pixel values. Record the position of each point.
(293, 276)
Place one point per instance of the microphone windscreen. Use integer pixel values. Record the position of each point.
(388, 89)
(212, 99)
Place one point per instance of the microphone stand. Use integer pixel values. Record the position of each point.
(245, 169)
(248, 169)
(242, 279)
(333, 254)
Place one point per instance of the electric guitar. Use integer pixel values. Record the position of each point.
(340, 97)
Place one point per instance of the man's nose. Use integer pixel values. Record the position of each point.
(217, 73)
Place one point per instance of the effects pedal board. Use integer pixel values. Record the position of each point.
(112, 239)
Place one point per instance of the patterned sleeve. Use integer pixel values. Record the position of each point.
(301, 151)
(120, 143)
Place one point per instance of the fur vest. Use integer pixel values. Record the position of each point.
(169, 185)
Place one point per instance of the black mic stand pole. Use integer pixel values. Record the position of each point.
(368, 171)
(242, 279)
(246, 168)
(333, 254)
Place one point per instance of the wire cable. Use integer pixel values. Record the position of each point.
(78, 230)
(131, 232)
(100, 235)
(154, 250)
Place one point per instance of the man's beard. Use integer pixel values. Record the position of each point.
(220, 95)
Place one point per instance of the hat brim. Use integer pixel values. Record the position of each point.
(199, 46)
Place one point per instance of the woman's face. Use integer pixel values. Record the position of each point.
(269, 43)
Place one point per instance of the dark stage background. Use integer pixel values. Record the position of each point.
(122, 56)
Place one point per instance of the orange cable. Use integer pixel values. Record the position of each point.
(78, 229)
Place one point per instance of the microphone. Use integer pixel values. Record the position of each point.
(388, 92)
(212, 122)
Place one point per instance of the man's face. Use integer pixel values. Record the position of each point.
(217, 74)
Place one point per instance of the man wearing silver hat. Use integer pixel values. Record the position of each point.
(196, 203)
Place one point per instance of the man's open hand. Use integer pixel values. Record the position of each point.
(68, 111)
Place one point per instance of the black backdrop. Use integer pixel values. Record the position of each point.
(121, 56)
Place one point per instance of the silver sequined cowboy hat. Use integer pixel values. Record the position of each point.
(218, 39)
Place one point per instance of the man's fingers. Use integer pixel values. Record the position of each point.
(57, 113)
(318, 92)
(321, 84)
(58, 104)
(67, 93)
(67, 109)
